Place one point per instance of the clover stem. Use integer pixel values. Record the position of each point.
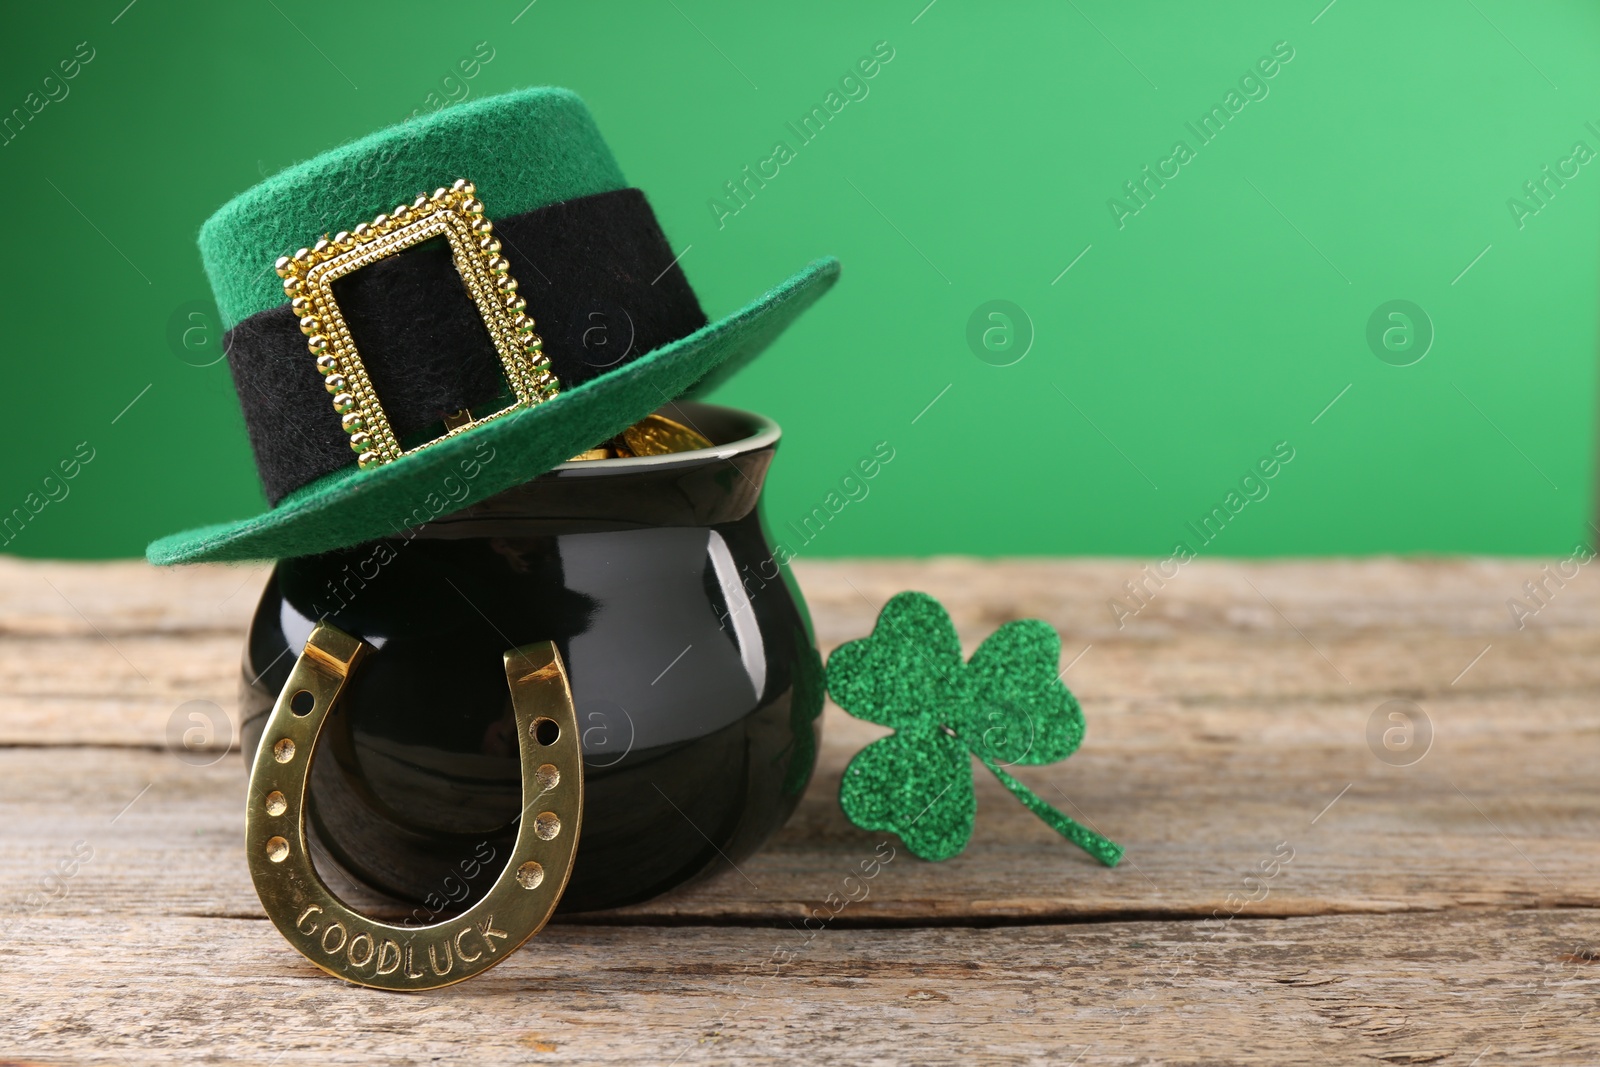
(1101, 848)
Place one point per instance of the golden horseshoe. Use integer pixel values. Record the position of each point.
(365, 951)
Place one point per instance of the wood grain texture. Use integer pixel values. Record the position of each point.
(1416, 913)
(1484, 988)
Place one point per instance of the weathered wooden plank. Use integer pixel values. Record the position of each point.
(135, 986)
(1227, 749)
(1209, 745)
(104, 653)
(47, 598)
(1467, 827)
(1391, 595)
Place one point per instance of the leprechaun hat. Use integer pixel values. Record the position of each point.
(370, 381)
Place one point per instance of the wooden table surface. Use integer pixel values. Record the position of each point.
(1441, 912)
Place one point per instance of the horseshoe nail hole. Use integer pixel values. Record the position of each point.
(548, 777)
(547, 824)
(546, 731)
(276, 805)
(530, 874)
(283, 751)
(277, 849)
(302, 702)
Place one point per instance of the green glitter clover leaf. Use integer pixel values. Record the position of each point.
(1006, 706)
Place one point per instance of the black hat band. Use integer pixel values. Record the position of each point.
(600, 280)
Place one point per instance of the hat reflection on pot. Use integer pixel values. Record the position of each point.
(380, 361)
(365, 375)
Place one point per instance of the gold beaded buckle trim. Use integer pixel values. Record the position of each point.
(364, 950)
(457, 214)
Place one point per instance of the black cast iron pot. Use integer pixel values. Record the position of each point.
(697, 684)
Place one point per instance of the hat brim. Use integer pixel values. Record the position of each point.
(351, 506)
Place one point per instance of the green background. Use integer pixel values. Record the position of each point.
(1177, 350)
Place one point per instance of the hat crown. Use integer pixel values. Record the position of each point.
(524, 150)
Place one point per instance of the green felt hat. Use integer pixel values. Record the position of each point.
(389, 371)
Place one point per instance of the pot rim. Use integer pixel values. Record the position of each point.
(760, 432)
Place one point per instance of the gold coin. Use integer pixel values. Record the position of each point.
(656, 435)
